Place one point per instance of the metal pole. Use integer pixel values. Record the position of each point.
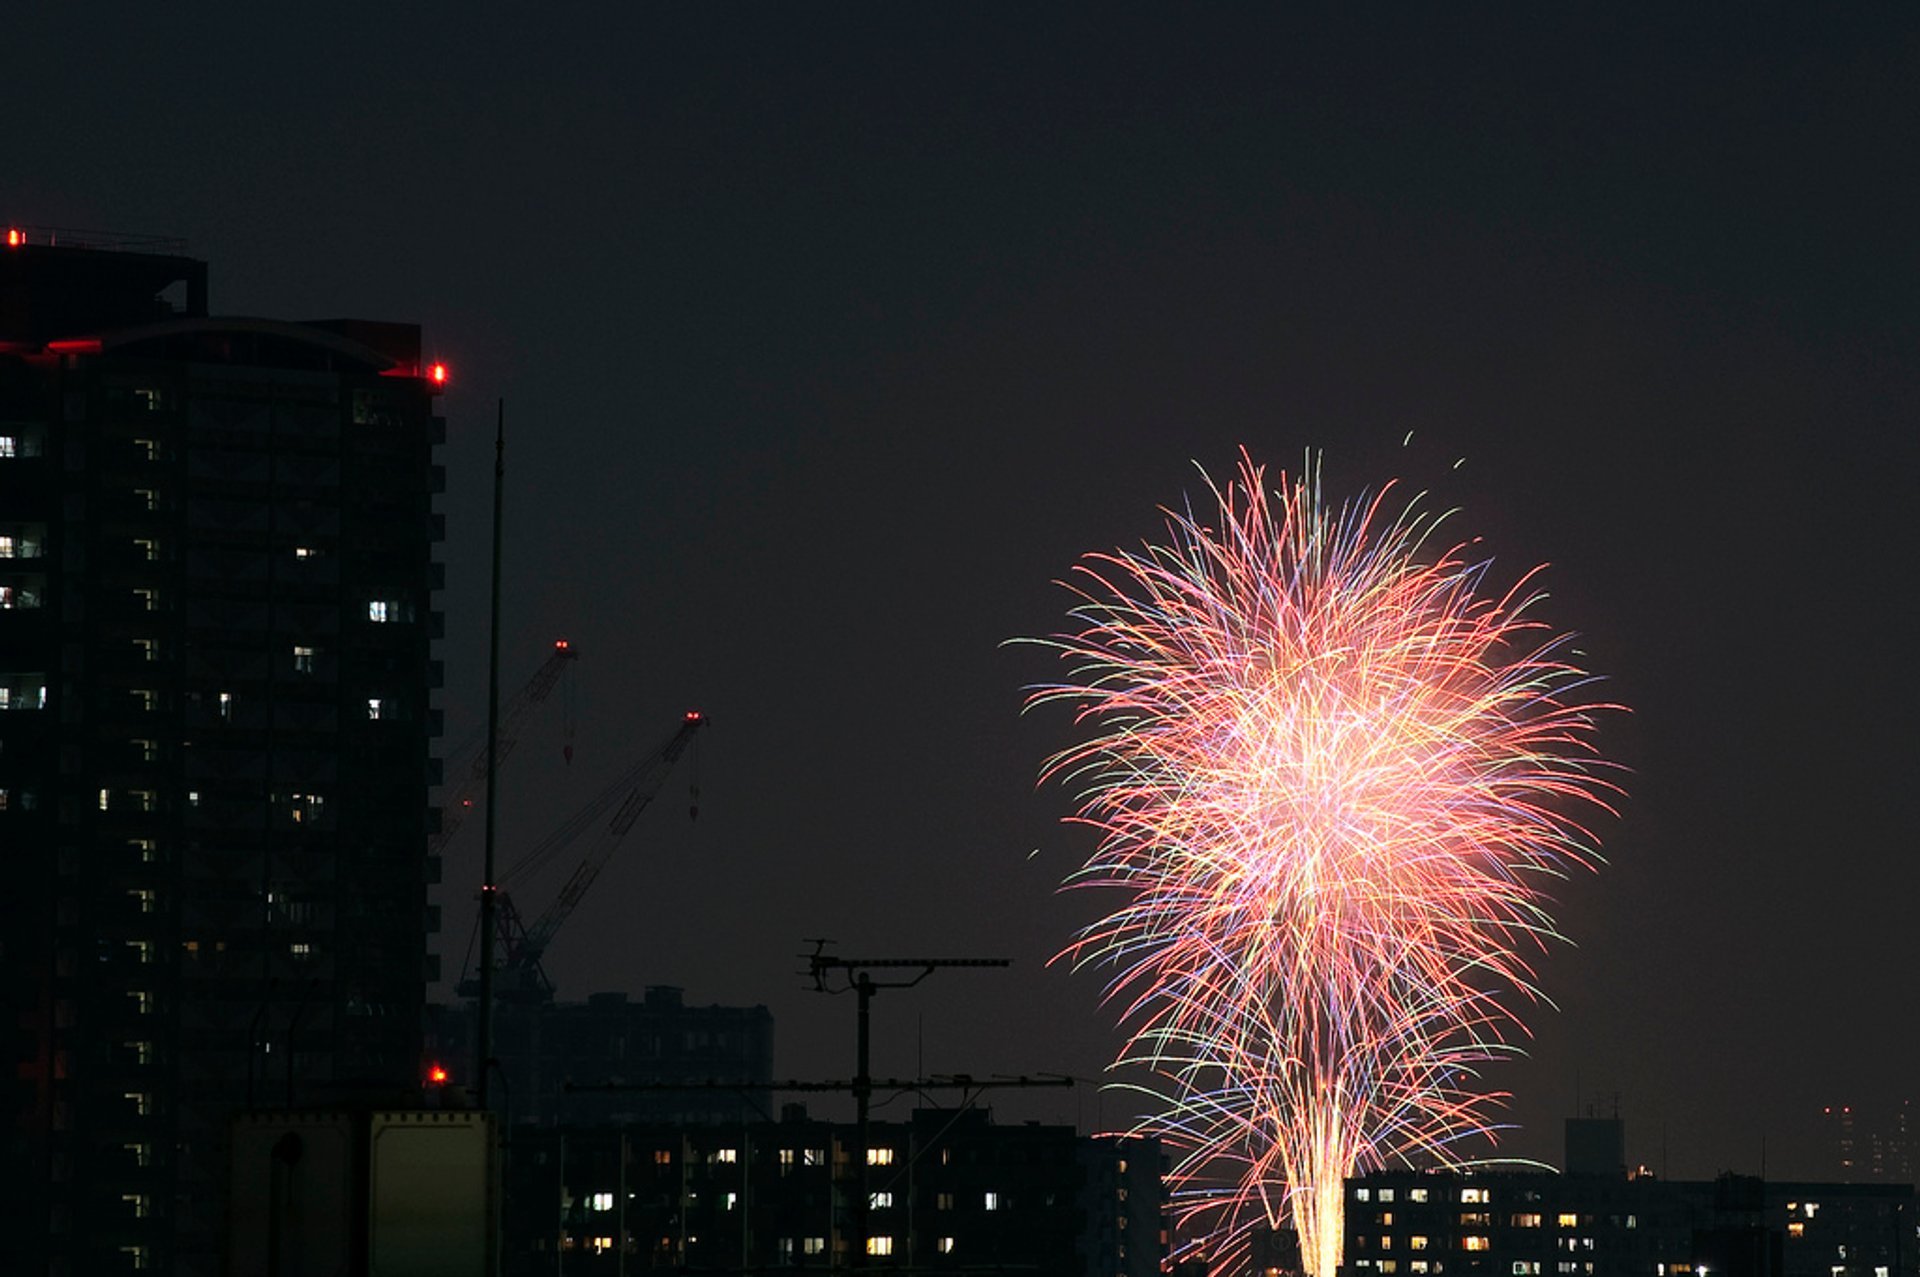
(487, 889)
(862, 1102)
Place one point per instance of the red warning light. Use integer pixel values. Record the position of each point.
(694, 716)
(437, 374)
(437, 1075)
(561, 645)
(15, 237)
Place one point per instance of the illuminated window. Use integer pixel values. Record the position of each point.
(729, 1200)
(879, 1245)
(1386, 1219)
(378, 611)
(599, 1201)
(149, 449)
(813, 1245)
(879, 1201)
(303, 660)
(1474, 1242)
(1468, 1195)
(106, 799)
(1386, 1194)
(943, 1201)
(813, 1157)
(786, 1160)
(661, 1156)
(1362, 1194)
(301, 949)
(147, 548)
(1416, 1194)
(375, 708)
(142, 953)
(1389, 1265)
(136, 1257)
(1527, 1221)
(1416, 1242)
(726, 1155)
(147, 849)
(6, 547)
(1812, 1209)
(879, 1157)
(145, 897)
(1797, 1229)
(1526, 1267)
(147, 497)
(9, 445)
(143, 799)
(137, 1202)
(142, 1005)
(601, 1245)
(142, 1154)
(995, 1201)
(149, 599)
(147, 699)
(1476, 1218)
(1386, 1241)
(1567, 1219)
(142, 1052)
(305, 552)
(142, 1102)
(226, 705)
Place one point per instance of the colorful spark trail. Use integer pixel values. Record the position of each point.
(1333, 776)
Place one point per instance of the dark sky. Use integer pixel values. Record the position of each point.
(830, 336)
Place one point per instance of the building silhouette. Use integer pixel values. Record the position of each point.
(542, 1046)
(1597, 1221)
(949, 1191)
(217, 588)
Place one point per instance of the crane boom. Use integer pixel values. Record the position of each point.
(640, 788)
(469, 764)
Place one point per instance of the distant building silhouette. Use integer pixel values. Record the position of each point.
(216, 610)
(1604, 1223)
(542, 1046)
(949, 1191)
(1867, 1147)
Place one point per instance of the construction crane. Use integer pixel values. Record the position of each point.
(468, 766)
(521, 977)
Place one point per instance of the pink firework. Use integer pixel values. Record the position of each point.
(1334, 776)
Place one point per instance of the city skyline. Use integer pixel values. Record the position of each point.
(829, 339)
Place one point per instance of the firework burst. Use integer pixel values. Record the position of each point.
(1333, 774)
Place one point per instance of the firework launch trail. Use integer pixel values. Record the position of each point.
(1333, 776)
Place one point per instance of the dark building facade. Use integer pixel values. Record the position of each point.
(610, 1038)
(948, 1191)
(216, 610)
(1609, 1224)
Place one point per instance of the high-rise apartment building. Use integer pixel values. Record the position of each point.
(217, 588)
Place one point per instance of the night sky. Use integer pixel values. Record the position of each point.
(831, 336)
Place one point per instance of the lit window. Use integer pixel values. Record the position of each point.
(1386, 1194)
(6, 547)
(601, 1245)
(4, 799)
(600, 1201)
(9, 445)
(729, 1200)
(813, 1245)
(813, 1157)
(142, 953)
(1416, 1194)
(879, 1201)
(1386, 1219)
(1567, 1219)
(145, 896)
(303, 659)
(142, 1102)
(142, 1153)
(305, 552)
(1797, 1228)
(1474, 1243)
(1386, 1241)
(142, 799)
(1473, 1195)
(378, 611)
(148, 497)
(662, 1157)
(146, 848)
(879, 1245)
(879, 1157)
(148, 698)
(226, 706)
(149, 750)
(946, 1245)
(1362, 1194)
(374, 708)
(943, 1201)
(106, 799)
(193, 798)
(1526, 1221)
(1416, 1242)
(137, 1202)
(727, 1156)
(1526, 1267)
(148, 448)
(149, 599)
(993, 1201)
(148, 549)
(301, 949)
(786, 1159)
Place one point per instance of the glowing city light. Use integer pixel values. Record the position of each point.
(437, 374)
(1333, 773)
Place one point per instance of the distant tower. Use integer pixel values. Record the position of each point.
(1838, 1121)
(216, 615)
